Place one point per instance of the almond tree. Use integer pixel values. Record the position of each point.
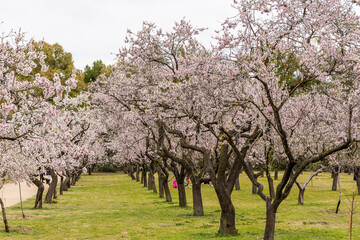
(28, 102)
(299, 64)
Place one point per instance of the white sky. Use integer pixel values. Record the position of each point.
(94, 29)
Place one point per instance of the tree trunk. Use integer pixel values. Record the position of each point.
(55, 191)
(227, 219)
(167, 190)
(197, 198)
(161, 185)
(132, 172)
(137, 173)
(237, 184)
(67, 184)
(73, 178)
(357, 178)
(154, 185)
(182, 194)
(89, 171)
(4, 215)
(276, 177)
(61, 185)
(335, 181)
(145, 180)
(125, 169)
(52, 187)
(150, 181)
(40, 191)
(270, 220)
(254, 189)
(301, 196)
(142, 177)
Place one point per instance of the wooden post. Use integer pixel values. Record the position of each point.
(21, 204)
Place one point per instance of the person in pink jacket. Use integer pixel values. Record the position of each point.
(174, 184)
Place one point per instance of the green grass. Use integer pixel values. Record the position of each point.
(112, 206)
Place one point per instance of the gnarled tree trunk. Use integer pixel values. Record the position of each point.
(254, 189)
(40, 191)
(270, 220)
(301, 196)
(198, 208)
(52, 188)
(131, 172)
(227, 219)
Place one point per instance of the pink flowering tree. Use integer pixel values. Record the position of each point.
(28, 102)
(299, 64)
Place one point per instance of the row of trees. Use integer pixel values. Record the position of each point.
(280, 87)
(46, 124)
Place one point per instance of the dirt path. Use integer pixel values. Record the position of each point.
(10, 193)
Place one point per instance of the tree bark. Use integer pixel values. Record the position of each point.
(182, 193)
(167, 190)
(55, 190)
(270, 220)
(154, 183)
(227, 219)
(52, 187)
(276, 177)
(180, 178)
(145, 180)
(4, 215)
(237, 184)
(161, 185)
(357, 178)
(301, 196)
(125, 169)
(150, 181)
(142, 177)
(254, 189)
(40, 191)
(75, 176)
(335, 180)
(197, 198)
(61, 185)
(137, 173)
(132, 172)
(67, 184)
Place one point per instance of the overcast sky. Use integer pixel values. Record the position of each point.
(93, 29)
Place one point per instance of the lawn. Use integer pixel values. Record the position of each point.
(112, 206)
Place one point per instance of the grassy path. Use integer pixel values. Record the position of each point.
(111, 206)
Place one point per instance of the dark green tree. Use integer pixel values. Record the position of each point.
(92, 73)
